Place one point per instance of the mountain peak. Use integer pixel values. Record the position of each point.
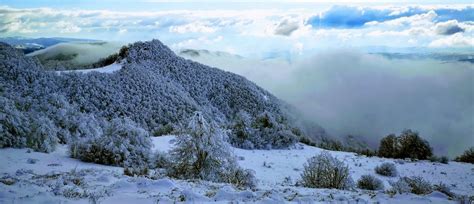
(149, 50)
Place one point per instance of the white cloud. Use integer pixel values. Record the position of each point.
(122, 30)
(286, 27)
(195, 27)
(274, 29)
(197, 43)
(456, 40)
(67, 27)
(17, 27)
(425, 19)
(424, 30)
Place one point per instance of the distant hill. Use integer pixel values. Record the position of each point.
(74, 55)
(445, 57)
(28, 45)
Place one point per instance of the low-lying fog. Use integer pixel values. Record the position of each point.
(350, 92)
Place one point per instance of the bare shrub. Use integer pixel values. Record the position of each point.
(416, 185)
(241, 178)
(467, 156)
(161, 160)
(325, 171)
(386, 169)
(443, 188)
(370, 182)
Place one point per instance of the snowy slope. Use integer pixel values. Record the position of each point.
(280, 164)
(54, 178)
(106, 69)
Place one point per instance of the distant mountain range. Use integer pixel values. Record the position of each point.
(28, 45)
(446, 57)
(75, 54)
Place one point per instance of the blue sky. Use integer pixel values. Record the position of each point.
(281, 27)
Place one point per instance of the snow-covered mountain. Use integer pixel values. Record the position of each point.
(153, 87)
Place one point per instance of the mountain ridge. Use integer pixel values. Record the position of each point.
(156, 88)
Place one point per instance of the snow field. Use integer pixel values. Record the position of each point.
(57, 178)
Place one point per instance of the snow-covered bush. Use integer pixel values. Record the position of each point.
(272, 132)
(8, 180)
(401, 186)
(202, 153)
(326, 171)
(467, 156)
(241, 178)
(74, 125)
(71, 184)
(123, 143)
(30, 129)
(13, 125)
(443, 188)
(263, 132)
(329, 144)
(242, 131)
(433, 158)
(416, 185)
(134, 168)
(442, 159)
(386, 169)
(161, 160)
(42, 136)
(307, 141)
(419, 185)
(370, 182)
(407, 145)
(164, 130)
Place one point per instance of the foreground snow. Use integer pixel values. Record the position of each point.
(32, 177)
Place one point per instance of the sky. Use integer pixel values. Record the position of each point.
(279, 27)
(312, 54)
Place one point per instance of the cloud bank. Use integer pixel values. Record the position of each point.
(299, 29)
(349, 92)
